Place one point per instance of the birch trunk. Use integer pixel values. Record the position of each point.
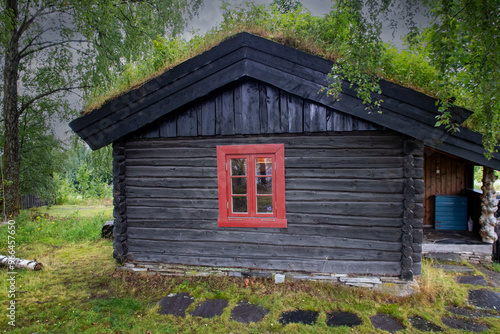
(19, 263)
(10, 113)
(489, 205)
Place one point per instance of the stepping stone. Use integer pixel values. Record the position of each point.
(335, 319)
(463, 325)
(486, 299)
(246, 313)
(476, 280)
(453, 268)
(452, 257)
(305, 317)
(386, 322)
(424, 325)
(210, 308)
(175, 304)
(468, 313)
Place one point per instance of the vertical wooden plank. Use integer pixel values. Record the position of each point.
(187, 124)
(284, 125)
(238, 113)
(168, 126)
(319, 123)
(314, 117)
(295, 114)
(355, 123)
(227, 105)
(208, 117)
(273, 109)
(347, 123)
(309, 114)
(329, 119)
(337, 121)
(151, 131)
(264, 119)
(199, 119)
(219, 120)
(250, 108)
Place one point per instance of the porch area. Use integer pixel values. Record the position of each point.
(455, 246)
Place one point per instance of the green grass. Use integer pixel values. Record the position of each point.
(494, 267)
(81, 291)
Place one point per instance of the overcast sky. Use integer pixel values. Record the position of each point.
(211, 13)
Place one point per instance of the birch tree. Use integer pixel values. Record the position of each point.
(54, 48)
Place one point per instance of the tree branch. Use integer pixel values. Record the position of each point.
(26, 105)
(49, 45)
(30, 43)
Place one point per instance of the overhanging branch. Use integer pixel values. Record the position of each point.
(49, 45)
(26, 105)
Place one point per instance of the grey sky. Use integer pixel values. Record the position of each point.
(211, 13)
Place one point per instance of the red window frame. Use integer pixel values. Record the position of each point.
(251, 218)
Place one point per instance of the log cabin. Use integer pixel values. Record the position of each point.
(237, 157)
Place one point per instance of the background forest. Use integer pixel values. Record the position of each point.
(58, 56)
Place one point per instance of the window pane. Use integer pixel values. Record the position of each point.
(264, 166)
(264, 204)
(239, 185)
(264, 185)
(238, 166)
(240, 204)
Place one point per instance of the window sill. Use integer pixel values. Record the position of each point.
(253, 222)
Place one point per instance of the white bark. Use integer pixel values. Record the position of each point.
(489, 205)
(15, 263)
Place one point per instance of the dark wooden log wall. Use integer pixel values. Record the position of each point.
(346, 197)
(454, 177)
(251, 107)
(120, 249)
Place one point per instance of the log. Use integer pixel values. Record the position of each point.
(15, 263)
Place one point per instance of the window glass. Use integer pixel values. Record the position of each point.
(263, 166)
(239, 167)
(239, 185)
(264, 204)
(264, 185)
(240, 204)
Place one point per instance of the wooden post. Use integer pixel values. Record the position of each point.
(489, 205)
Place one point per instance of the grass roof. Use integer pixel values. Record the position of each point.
(300, 30)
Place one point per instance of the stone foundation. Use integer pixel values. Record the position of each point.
(471, 253)
(389, 285)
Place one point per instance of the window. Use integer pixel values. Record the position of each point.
(251, 185)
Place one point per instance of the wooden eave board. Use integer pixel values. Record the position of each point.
(248, 56)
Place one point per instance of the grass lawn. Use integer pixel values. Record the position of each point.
(81, 291)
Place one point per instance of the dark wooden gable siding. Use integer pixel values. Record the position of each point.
(345, 205)
(251, 107)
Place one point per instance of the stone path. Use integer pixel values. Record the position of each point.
(246, 313)
(304, 317)
(424, 325)
(386, 322)
(210, 308)
(335, 319)
(483, 303)
(485, 299)
(175, 304)
(475, 280)
(464, 325)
